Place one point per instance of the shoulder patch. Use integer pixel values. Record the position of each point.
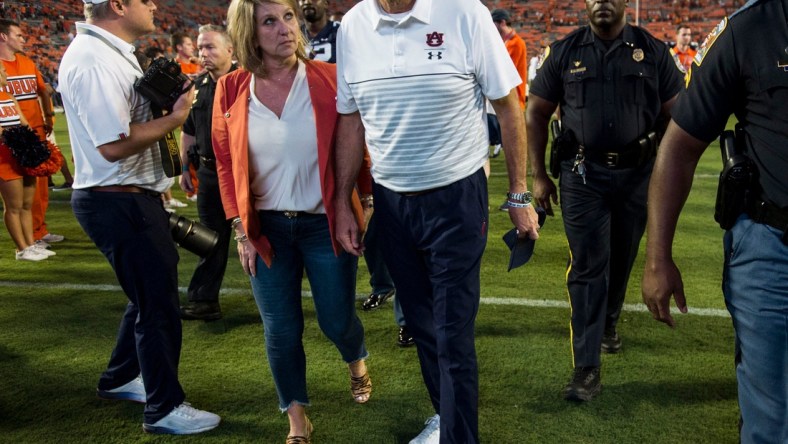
(677, 61)
(542, 57)
(710, 39)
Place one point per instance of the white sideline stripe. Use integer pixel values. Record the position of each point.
(696, 176)
(537, 303)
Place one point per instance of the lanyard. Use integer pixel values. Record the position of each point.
(92, 33)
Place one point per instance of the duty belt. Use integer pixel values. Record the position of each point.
(632, 155)
(767, 213)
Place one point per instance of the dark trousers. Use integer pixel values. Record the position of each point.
(379, 277)
(131, 230)
(209, 274)
(604, 221)
(494, 129)
(433, 244)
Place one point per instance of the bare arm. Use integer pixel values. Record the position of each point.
(45, 97)
(349, 157)
(537, 119)
(670, 185)
(143, 135)
(187, 140)
(514, 139)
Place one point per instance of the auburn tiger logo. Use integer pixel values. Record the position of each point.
(435, 39)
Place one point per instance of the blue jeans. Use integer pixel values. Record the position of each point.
(299, 243)
(132, 232)
(755, 283)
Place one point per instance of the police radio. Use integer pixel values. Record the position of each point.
(738, 179)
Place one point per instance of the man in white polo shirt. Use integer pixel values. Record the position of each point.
(118, 182)
(412, 80)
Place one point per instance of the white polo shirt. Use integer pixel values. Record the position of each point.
(419, 80)
(97, 86)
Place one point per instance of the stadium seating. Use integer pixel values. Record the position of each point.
(49, 24)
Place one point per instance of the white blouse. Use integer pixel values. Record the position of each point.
(283, 152)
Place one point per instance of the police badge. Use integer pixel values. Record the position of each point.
(637, 55)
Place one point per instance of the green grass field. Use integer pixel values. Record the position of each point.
(60, 317)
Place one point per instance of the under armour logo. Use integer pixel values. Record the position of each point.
(436, 55)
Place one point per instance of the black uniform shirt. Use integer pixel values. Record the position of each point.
(323, 46)
(198, 124)
(608, 97)
(742, 68)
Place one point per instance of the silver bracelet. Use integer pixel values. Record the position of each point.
(241, 237)
(235, 222)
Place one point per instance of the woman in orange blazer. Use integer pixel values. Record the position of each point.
(273, 135)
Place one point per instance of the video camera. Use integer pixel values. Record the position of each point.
(163, 83)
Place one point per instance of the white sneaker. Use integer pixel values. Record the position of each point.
(30, 254)
(184, 420)
(431, 433)
(175, 203)
(41, 244)
(133, 390)
(43, 250)
(52, 238)
(192, 198)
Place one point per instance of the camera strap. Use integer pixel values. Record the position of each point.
(168, 146)
(108, 43)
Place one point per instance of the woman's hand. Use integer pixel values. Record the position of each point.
(247, 254)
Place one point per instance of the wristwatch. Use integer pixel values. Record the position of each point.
(523, 198)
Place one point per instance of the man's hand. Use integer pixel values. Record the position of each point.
(182, 107)
(346, 229)
(186, 181)
(545, 193)
(661, 280)
(526, 221)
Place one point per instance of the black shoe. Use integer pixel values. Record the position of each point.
(611, 342)
(504, 206)
(375, 300)
(584, 386)
(404, 339)
(203, 311)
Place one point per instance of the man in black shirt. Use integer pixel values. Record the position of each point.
(741, 69)
(319, 30)
(215, 51)
(615, 84)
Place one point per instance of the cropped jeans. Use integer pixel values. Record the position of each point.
(755, 284)
(303, 243)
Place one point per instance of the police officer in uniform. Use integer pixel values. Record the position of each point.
(615, 85)
(741, 69)
(215, 51)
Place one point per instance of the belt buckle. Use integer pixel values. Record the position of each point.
(290, 214)
(611, 160)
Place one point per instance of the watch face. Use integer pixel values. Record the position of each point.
(525, 198)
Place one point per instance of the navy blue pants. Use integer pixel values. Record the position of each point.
(433, 244)
(131, 230)
(207, 278)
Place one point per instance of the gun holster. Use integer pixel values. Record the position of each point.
(738, 187)
(564, 143)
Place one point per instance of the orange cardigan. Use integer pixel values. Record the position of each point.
(230, 144)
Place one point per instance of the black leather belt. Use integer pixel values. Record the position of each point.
(125, 189)
(771, 215)
(208, 162)
(287, 214)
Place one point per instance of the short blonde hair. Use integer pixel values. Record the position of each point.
(241, 27)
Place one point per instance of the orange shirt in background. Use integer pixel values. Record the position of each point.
(516, 47)
(24, 83)
(684, 58)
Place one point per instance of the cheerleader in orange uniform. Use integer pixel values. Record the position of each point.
(16, 189)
